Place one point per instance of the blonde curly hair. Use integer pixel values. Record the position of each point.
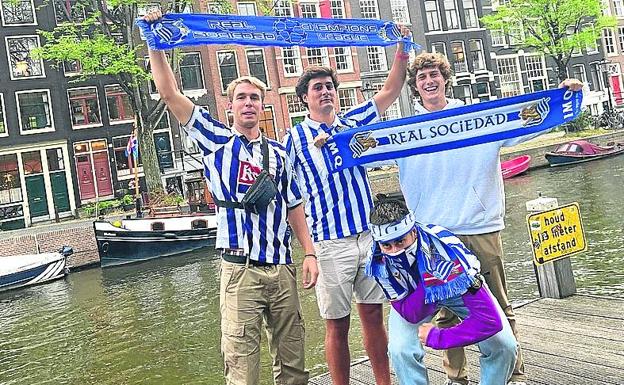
(428, 60)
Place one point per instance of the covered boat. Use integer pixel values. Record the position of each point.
(581, 151)
(515, 166)
(31, 269)
(141, 239)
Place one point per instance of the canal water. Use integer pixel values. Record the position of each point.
(158, 322)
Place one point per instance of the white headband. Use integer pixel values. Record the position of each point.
(393, 231)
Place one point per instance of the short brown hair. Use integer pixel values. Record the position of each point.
(313, 73)
(427, 60)
(259, 84)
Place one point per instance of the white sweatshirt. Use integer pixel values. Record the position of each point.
(460, 189)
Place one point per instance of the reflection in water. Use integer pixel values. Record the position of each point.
(158, 322)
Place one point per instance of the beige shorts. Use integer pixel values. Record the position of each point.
(341, 265)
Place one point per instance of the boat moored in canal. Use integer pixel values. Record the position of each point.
(32, 269)
(515, 166)
(140, 239)
(579, 151)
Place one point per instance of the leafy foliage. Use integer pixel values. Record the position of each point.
(555, 27)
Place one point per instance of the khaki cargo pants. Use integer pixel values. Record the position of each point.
(249, 297)
(489, 250)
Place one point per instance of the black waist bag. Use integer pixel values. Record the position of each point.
(261, 193)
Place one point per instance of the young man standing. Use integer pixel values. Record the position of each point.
(472, 207)
(337, 208)
(257, 273)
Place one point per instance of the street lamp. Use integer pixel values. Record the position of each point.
(604, 67)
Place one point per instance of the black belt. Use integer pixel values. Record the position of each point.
(242, 260)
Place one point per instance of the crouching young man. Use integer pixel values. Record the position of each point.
(423, 268)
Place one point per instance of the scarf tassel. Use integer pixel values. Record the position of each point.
(453, 288)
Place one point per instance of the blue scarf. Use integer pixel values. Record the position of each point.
(438, 260)
(453, 128)
(184, 29)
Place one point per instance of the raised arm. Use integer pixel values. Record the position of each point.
(179, 105)
(396, 78)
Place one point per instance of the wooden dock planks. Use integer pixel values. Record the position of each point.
(578, 340)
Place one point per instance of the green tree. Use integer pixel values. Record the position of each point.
(555, 27)
(102, 37)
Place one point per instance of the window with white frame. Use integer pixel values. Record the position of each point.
(392, 112)
(84, 106)
(536, 72)
(309, 9)
(516, 33)
(344, 60)
(282, 8)
(18, 12)
(509, 76)
(369, 9)
(498, 37)
(346, 99)
(70, 11)
(292, 61)
(228, 67)
(256, 64)
(10, 183)
(400, 12)
(609, 41)
(432, 14)
(296, 109)
(591, 47)
(618, 8)
(122, 163)
(337, 9)
(477, 56)
(621, 38)
(596, 83)
(118, 102)
(450, 12)
(3, 125)
(317, 56)
(459, 57)
(578, 72)
(191, 71)
(72, 67)
(267, 122)
(376, 59)
(35, 110)
(570, 30)
(246, 9)
(438, 47)
(470, 14)
(463, 93)
(483, 90)
(21, 62)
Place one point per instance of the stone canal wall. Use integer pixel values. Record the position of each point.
(80, 238)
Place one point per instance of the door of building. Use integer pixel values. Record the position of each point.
(37, 201)
(102, 174)
(59, 191)
(86, 185)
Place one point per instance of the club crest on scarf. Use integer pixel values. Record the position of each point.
(171, 32)
(361, 142)
(535, 113)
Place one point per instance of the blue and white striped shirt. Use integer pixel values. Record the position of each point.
(337, 205)
(231, 164)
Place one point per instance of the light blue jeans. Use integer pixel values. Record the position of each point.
(498, 353)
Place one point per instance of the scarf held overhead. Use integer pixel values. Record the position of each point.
(184, 29)
(454, 128)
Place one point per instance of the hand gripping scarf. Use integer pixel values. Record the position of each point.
(453, 128)
(185, 29)
(445, 267)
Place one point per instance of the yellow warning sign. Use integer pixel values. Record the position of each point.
(556, 233)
